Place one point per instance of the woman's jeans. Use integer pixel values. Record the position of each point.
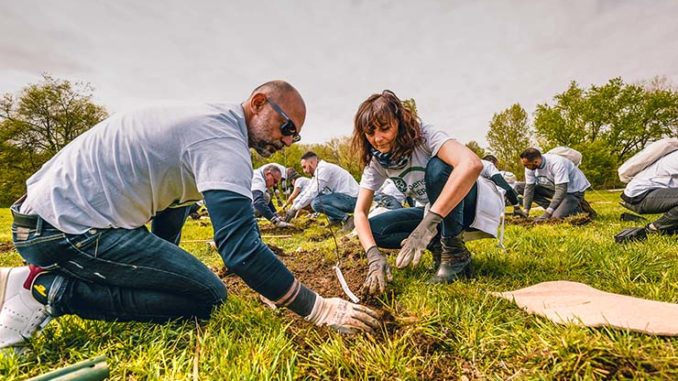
(391, 228)
(121, 274)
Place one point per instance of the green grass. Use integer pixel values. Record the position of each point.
(437, 332)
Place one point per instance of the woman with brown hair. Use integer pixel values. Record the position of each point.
(430, 167)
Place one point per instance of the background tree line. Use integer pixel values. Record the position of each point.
(608, 124)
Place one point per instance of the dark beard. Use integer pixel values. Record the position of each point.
(266, 149)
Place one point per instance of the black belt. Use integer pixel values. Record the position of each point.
(24, 220)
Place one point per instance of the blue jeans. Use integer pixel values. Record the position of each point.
(387, 201)
(334, 205)
(391, 228)
(121, 274)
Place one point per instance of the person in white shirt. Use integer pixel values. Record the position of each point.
(266, 177)
(332, 191)
(655, 190)
(299, 185)
(554, 183)
(491, 172)
(431, 167)
(81, 226)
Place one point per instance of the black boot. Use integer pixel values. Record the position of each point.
(586, 208)
(455, 261)
(436, 249)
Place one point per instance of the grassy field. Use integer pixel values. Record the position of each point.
(431, 332)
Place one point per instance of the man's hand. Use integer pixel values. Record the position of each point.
(519, 212)
(415, 244)
(543, 218)
(343, 316)
(290, 214)
(378, 274)
(279, 223)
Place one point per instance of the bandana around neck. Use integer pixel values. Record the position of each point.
(385, 159)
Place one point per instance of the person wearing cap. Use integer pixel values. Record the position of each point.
(82, 224)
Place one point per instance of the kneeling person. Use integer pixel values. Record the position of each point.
(655, 190)
(82, 224)
(266, 177)
(332, 191)
(554, 183)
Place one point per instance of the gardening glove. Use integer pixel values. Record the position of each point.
(289, 215)
(415, 244)
(379, 272)
(543, 218)
(519, 212)
(343, 316)
(279, 223)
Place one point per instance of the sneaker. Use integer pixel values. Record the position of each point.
(20, 314)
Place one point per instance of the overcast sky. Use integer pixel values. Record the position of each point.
(461, 60)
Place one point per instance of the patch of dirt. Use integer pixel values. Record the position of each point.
(6, 246)
(576, 220)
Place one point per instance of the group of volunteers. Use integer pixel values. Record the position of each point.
(82, 225)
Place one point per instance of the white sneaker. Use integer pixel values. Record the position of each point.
(20, 314)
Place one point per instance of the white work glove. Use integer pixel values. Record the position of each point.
(343, 316)
(414, 245)
(378, 274)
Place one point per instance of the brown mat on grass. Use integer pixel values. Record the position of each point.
(566, 302)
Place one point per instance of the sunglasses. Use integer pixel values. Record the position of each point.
(287, 128)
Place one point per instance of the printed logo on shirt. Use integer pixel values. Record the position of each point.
(415, 175)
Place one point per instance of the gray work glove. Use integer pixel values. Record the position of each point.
(343, 316)
(279, 223)
(378, 274)
(519, 212)
(415, 244)
(543, 218)
(289, 215)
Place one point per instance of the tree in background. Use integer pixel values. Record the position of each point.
(476, 148)
(608, 124)
(337, 151)
(36, 124)
(509, 135)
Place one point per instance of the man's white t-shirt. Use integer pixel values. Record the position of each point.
(663, 173)
(127, 168)
(328, 178)
(302, 183)
(558, 170)
(259, 180)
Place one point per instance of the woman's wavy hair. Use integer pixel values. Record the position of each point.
(379, 110)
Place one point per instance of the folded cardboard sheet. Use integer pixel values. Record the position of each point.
(567, 302)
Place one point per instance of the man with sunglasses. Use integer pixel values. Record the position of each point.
(268, 177)
(81, 226)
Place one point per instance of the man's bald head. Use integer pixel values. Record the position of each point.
(284, 94)
(267, 109)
